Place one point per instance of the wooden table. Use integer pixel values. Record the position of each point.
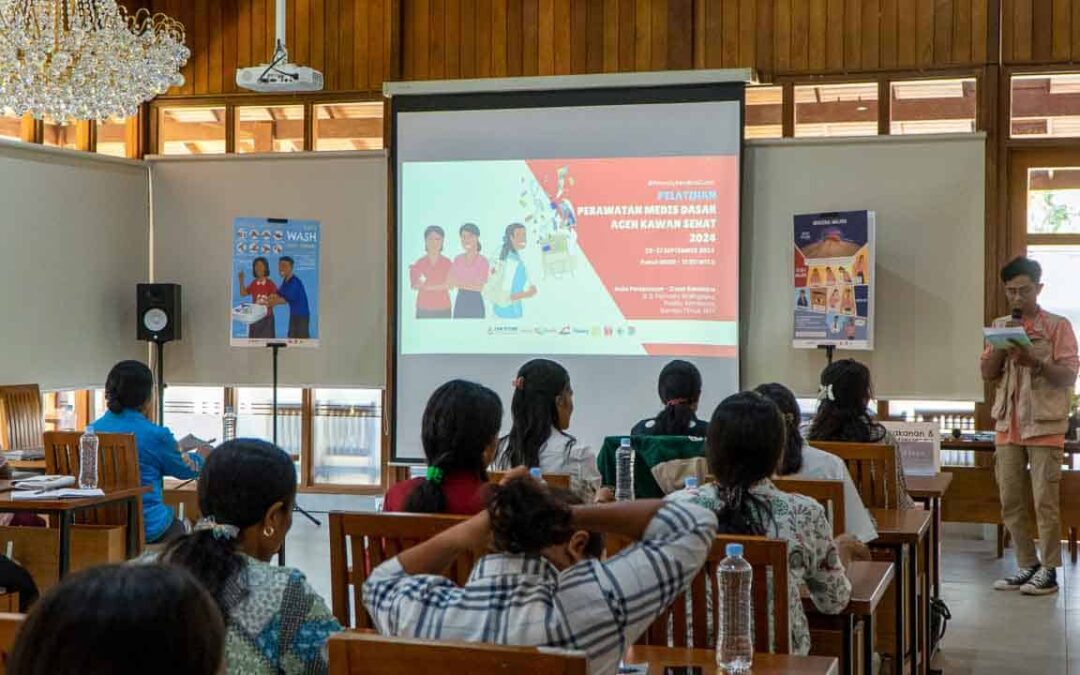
(906, 534)
(869, 583)
(176, 492)
(930, 490)
(660, 658)
(64, 511)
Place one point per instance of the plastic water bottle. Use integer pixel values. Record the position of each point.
(67, 419)
(734, 643)
(228, 424)
(691, 484)
(537, 474)
(88, 459)
(624, 472)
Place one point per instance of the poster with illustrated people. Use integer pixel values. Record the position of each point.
(275, 282)
(833, 259)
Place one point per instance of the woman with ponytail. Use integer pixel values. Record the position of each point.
(843, 415)
(275, 622)
(540, 414)
(680, 392)
(459, 432)
(744, 447)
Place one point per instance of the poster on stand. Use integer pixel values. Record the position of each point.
(833, 280)
(918, 446)
(275, 282)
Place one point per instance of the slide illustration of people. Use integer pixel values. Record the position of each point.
(830, 278)
(802, 301)
(849, 329)
(848, 305)
(293, 293)
(860, 269)
(515, 285)
(429, 276)
(844, 276)
(815, 277)
(834, 300)
(262, 290)
(468, 274)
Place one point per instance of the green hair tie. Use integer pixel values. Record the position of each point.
(434, 474)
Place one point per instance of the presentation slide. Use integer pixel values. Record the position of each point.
(615, 255)
(596, 228)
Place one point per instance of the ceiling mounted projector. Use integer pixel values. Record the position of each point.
(279, 76)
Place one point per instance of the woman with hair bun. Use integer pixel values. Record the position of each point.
(680, 392)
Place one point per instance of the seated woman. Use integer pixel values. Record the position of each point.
(805, 461)
(744, 446)
(122, 620)
(680, 391)
(459, 432)
(540, 415)
(842, 416)
(129, 395)
(275, 623)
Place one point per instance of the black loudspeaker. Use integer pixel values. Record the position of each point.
(158, 312)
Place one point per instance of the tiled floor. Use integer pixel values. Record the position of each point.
(991, 632)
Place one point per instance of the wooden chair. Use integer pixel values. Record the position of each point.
(677, 628)
(360, 542)
(828, 493)
(873, 468)
(9, 630)
(22, 422)
(118, 467)
(559, 480)
(370, 654)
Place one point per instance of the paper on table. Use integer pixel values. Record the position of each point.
(45, 482)
(1005, 337)
(64, 493)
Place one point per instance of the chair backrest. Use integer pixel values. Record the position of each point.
(370, 654)
(118, 468)
(559, 480)
(692, 619)
(23, 422)
(828, 493)
(9, 631)
(873, 468)
(360, 542)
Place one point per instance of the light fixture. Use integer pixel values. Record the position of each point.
(85, 59)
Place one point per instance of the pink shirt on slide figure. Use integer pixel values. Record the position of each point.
(472, 274)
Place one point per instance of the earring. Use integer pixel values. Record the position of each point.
(268, 531)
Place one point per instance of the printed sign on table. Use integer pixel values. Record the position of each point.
(919, 446)
(275, 282)
(833, 281)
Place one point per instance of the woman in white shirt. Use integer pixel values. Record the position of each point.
(803, 461)
(540, 414)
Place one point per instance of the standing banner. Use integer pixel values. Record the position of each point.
(275, 282)
(918, 447)
(833, 281)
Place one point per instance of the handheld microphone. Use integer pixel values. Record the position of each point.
(1017, 314)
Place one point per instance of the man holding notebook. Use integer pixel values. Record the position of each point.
(1034, 381)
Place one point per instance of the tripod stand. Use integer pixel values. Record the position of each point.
(276, 347)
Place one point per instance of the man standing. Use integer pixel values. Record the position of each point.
(292, 292)
(1031, 410)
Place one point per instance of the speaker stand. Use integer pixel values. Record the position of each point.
(275, 348)
(159, 365)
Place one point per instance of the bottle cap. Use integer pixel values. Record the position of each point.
(624, 443)
(89, 429)
(733, 549)
(691, 482)
(535, 473)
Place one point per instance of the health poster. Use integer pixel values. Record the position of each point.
(833, 280)
(275, 282)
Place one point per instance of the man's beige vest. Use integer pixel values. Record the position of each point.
(1043, 409)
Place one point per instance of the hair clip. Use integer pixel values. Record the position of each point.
(678, 401)
(219, 530)
(434, 474)
(518, 383)
(825, 393)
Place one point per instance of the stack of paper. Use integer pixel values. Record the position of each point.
(63, 493)
(45, 482)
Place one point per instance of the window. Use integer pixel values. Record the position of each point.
(948, 414)
(61, 134)
(932, 106)
(349, 126)
(764, 112)
(195, 410)
(254, 416)
(1045, 106)
(10, 125)
(1053, 200)
(347, 437)
(836, 110)
(270, 129)
(191, 131)
(112, 137)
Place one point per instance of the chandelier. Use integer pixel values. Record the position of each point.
(85, 59)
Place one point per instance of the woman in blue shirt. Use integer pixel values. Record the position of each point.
(129, 395)
(515, 278)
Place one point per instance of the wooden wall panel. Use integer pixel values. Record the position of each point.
(1040, 31)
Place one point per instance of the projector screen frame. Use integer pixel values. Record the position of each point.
(412, 97)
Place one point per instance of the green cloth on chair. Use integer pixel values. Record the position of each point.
(648, 452)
